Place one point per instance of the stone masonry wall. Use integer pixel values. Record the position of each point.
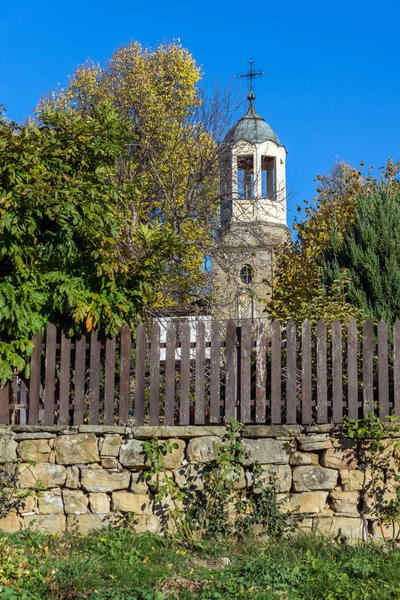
(83, 477)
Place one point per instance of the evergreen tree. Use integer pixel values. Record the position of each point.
(369, 255)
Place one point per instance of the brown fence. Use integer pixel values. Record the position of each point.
(208, 372)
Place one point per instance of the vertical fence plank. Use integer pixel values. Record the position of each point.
(34, 382)
(215, 373)
(337, 373)
(23, 400)
(306, 379)
(383, 370)
(261, 373)
(5, 404)
(276, 372)
(291, 366)
(169, 416)
(230, 383)
(245, 372)
(140, 374)
(65, 366)
(94, 378)
(154, 418)
(80, 375)
(368, 384)
(352, 375)
(50, 375)
(322, 384)
(184, 407)
(109, 384)
(125, 374)
(396, 367)
(199, 417)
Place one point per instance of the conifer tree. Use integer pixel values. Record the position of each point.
(370, 255)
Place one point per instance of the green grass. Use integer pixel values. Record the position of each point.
(117, 564)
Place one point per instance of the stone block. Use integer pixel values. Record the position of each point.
(147, 523)
(111, 446)
(299, 459)
(260, 431)
(50, 503)
(132, 454)
(314, 477)
(34, 450)
(190, 477)
(76, 449)
(11, 523)
(86, 523)
(133, 503)
(99, 503)
(348, 527)
(387, 530)
(93, 480)
(345, 502)
(138, 484)
(319, 441)
(8, 449)
(266, 451)
(203, 449)
(43, 435)
(307, 502)
(41, 475)
(45, 523)
(353, 481)
(72, 480)
(75, 502)
(28, 504)
(109, 462)
(280, 474)
(102, 429)
(182, 431)
(339, 458)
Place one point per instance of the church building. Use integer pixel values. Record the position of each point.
(252, 216)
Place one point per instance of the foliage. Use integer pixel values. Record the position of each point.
(173, 151)
(370, 255)
(301, 288)
(62, 216)
(12, 497)
(374, 436)
(15, 569)
(117, 564)
(205, 512)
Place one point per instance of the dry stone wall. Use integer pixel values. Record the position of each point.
(88, 476)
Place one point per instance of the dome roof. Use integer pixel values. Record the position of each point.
(251, 128)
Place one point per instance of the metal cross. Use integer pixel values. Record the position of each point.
(251, 74)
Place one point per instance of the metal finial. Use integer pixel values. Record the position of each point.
(251, 75)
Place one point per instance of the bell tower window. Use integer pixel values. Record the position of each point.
(247, 273)
(268, 180)
(245, 177)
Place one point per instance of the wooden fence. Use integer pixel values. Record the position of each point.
(255, 372)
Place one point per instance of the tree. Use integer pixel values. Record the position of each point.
(174, 133)
(370, 255)
(63, 214)
(301, 285)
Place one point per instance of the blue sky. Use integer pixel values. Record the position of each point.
(332, 91)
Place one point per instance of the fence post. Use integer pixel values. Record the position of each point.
(215, 373)
(396, 366)
(155, 375)
(337, 373)
(230, 384)
(322, 388)
(140, 374)
(34, 383)
(368, 388)
(261, 375)
(169, 412)
(5, 404)
(383, 370)
(50, 375)
(291, 399)
(245, 372)
(306, 378)
(352, 376)
(184, 406)
(125, 372)
(276, 373)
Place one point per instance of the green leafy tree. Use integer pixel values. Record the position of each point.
(64, 215)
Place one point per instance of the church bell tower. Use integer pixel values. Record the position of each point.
(252, 215)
